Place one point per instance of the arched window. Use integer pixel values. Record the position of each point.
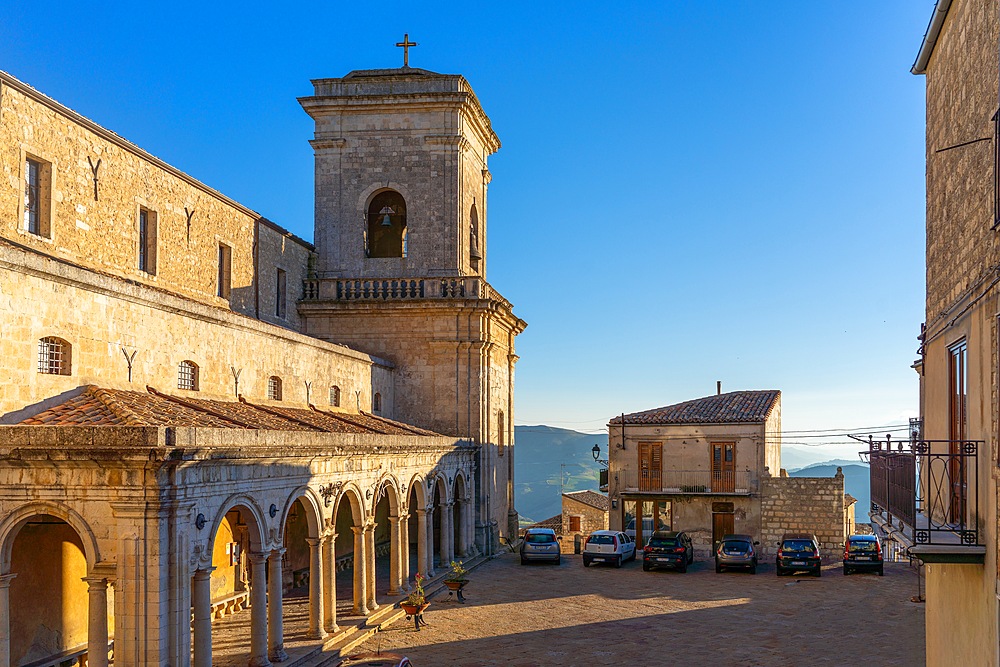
(54, 356)
(274, 388)
(187, 375)
(475, 255)
(501, 427)
(377, 402)
(335, 396)
(386, 231)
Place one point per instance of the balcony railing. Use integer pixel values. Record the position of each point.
(736, 482)
(393, 289)
(926, 488)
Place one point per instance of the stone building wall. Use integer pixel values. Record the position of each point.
(591, 519)
(812, 505)
(102, 233)
(98, 315)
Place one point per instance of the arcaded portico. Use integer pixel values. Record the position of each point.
(156, 523)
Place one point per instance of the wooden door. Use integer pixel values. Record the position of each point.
(723, 467)
(650, 466)
(722, 524)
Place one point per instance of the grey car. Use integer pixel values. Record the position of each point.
(736, 551)
(540, 544)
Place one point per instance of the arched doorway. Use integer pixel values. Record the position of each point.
(55, 609)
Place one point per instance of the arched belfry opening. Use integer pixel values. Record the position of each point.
(386, 225)
(475, 252)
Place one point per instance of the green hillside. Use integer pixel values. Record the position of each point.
(539, 452)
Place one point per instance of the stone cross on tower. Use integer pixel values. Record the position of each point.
(406, 44)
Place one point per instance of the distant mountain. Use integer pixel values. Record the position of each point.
(541, 450)
(856, 482)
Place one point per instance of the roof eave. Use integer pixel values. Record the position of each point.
(938, 17)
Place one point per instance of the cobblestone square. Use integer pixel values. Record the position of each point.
(541, 614)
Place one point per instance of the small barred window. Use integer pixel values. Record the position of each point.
(187, 376)
(274, 388)
(377, 402)
(335, 396)
(53, 356)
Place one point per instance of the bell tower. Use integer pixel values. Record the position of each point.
(400, 232)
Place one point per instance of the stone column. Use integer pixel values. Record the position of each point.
(404, 553)
(395, 555)
(462, 548)
(275, 609)
(5, 580)
(422, 542)
(447, 535)
(430, 542)
(202, 603)
(97, 627)
(258, 610)
(330, 581)
(470, 531)
(370, 553)
(360, 606)
(316, 614)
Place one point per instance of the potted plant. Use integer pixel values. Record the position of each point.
(416, 601)
(456, 581)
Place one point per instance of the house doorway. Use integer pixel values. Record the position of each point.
(723, 522)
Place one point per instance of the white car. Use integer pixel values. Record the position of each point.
(608, 546)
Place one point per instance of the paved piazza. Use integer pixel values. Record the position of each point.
(541, 614)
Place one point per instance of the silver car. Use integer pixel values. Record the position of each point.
(540, 544)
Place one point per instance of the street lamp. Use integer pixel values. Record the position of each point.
(596, 451)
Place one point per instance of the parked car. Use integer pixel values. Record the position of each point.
(863, 552)
(736, 551)
(608, 546)
(798, 551)
(540, 544)
(668, 548)
(647, 527)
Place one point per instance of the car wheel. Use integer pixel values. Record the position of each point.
(558, 560)
(691, 557)
(880, 573)
(523, 561)
(586, 562)
(819, 572)
(645, 567)
(718, 569)
(618, 561)
(846, 571)
(682, 569)
(778, 571)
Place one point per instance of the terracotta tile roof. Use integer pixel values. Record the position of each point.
(553, 522)
(730, 408)
(97, 406)
(592, 498)
(849, 500)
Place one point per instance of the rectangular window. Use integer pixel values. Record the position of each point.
(225, 270)
(37, 178)
(147, 241)
(279, 295)
(958, 355)
(574, 524)
(996, 169)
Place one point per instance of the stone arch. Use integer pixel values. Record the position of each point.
(256, 529)
(441, 482)
(386, 220)
(19, 517)
(314, 515)
(393, 493)
(417, 488)
(357, 505)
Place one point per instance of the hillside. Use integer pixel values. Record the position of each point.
(540, 451)
(856, 482)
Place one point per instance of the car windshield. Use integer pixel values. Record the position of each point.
(797, 545)
(539, 538)
(865, 546)
(735, 547)
(663, 542)
(600, 539)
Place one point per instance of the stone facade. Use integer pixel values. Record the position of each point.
(813, 505)
(960, 60)
(580, 517)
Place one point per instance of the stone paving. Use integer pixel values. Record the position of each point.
(541, 614)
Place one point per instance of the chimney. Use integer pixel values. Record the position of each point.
(718, 387)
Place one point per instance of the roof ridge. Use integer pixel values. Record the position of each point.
(275, 413)
(121, 411)
(199, 408)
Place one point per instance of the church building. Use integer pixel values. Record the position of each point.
(203, 413)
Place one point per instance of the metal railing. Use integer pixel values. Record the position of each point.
(929, 487)
(735, 482)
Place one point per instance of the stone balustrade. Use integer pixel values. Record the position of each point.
(391, 289)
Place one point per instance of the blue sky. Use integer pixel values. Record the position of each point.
(687, 192)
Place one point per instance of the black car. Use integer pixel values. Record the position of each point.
(863, 552)
(798, 552)
(668, 548)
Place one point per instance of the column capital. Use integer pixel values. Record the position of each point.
(313, 541)
(96, 583)
(370, 526)
(257, 557)
(5, 579)
(358, 530)
(421, 511)
(330, 536)
(203, 573)
(278, 551)
(395, 519)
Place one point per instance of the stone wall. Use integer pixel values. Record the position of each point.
(812, 505)
(591, 519)
(99, 315)
(103, 233)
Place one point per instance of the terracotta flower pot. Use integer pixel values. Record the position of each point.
(413, 609)
(457, 584)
